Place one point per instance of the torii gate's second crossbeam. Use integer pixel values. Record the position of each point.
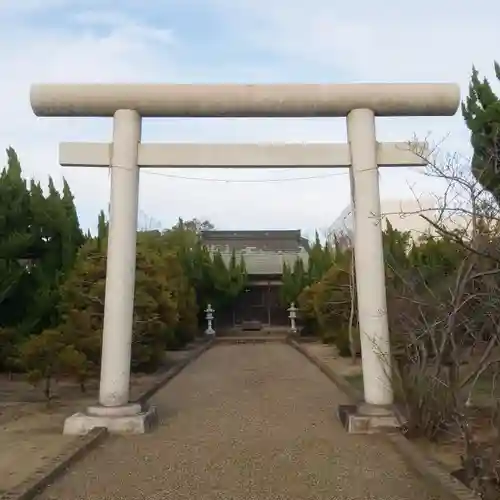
(260, 155)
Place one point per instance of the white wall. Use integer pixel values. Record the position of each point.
(404, 215)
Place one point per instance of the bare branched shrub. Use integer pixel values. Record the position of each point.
(481, 459)
(444, 311)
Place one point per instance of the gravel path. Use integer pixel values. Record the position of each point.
(244, 422)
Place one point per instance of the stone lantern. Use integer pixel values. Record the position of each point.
(292, 310)
(209, 317)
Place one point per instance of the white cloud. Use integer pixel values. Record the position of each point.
(123, 27)
(359, 41)
(124, 52)
(356, 41)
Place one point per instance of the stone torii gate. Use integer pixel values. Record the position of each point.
(129, 103)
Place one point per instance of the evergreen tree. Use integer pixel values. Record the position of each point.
(288, 286)
(48, 356)
(481, 112)
(299, 275)
(243, 266)
(40, 239)
(213, 281)
(328, 256)
(221, 281)
(17, 245)
(59, 237)
(164, 307)
(320, 259)
(295, 279)
(74, 237)
(396, 247)
(102, 230)
(316, 260)
(236, 277)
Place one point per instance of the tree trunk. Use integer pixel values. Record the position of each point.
(352, 286)
(48, 388)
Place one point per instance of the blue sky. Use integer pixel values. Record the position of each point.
(235, 41)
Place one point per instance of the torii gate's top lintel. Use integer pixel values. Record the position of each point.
(239, 100)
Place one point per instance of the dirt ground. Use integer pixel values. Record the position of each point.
(447, 451)
(31, 431)
(328, 353)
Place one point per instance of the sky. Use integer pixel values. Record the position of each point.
(236, 41)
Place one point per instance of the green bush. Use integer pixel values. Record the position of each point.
(48, 355)
(308, 319)
(343, 344)
(10, 340)
(165, 307)
(309, 328)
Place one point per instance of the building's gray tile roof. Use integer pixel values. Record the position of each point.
(264, 251)
(262, 262)
(288, 240)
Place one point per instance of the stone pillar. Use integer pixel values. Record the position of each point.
(369, 260)
(114, 410)
(121, 258)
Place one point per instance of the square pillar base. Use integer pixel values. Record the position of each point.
(128, 419)
(368, 419)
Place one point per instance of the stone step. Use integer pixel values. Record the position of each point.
(237, 332)
(250, 339)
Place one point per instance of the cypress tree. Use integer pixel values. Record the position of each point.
(481, 112)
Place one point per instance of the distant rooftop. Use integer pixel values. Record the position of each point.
(259, 234)
(270, 240)
(264, 251)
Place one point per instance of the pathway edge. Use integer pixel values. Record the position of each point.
(55, 468)
(433, 474)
